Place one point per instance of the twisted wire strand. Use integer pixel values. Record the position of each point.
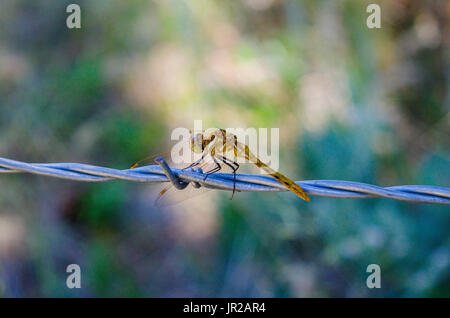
(224, 181)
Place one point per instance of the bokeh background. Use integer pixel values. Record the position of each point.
(352, 103)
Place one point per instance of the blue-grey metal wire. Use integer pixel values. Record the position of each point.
(224, 181)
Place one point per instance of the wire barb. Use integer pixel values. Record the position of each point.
(224, 181)
(177, 182)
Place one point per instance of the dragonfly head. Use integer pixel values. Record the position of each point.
(198, 143)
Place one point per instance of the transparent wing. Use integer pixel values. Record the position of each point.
(170, 195)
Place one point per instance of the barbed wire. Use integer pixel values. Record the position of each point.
(224, 181)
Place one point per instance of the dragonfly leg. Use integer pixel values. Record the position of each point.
(198, 170)
(195, 163)
(215, 169)
(229, 163)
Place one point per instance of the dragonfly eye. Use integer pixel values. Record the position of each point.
(197, 144)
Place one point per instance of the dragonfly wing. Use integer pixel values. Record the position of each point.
(171, 196)
(150, 160)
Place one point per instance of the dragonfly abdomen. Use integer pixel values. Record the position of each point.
(291, 185)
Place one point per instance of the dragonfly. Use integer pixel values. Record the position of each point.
(224, 149)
